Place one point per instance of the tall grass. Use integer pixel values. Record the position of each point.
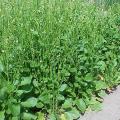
(55, 56)
(105, 3)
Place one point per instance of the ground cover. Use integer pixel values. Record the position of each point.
(56, 57)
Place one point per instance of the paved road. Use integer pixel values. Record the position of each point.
(111, 108)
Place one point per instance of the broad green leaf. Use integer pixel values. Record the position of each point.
(67, 104)
(89, 91)
(15, 109)
(28, 116)
(73, 70)
(45, 98)
(63, 87)
(30, 102)
(89, 77)
(81, 105)
(35, 83)
(72, 114)
(87, 100)
(60, 97)
(8, 111)
(52, 117)
(16, 82)
(76, 84)
(12, 100)
(2, 116)
(100, 85)
(24, 90)
(95, 105)
(15, 118)
(26, 81)
(102, 93)
(63, 117)
(19, 92)
(39, 105)
(101, 65)
(3, 92)
(40, 116)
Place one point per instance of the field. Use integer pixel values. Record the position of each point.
(57, 57)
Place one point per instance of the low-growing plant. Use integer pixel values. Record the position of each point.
(56, 58)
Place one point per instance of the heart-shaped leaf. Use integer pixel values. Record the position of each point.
(30, 102)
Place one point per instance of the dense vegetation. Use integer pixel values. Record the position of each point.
(105, 3)
(56, 57)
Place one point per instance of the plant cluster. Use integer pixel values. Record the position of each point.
(56, 58)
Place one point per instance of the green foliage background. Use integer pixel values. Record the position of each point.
(56, 57)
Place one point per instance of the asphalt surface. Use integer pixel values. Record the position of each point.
(110, 111)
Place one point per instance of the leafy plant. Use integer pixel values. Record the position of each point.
(57, 57)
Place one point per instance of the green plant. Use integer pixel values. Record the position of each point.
(56, 57)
